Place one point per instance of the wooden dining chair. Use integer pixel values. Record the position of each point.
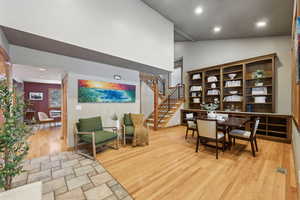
(207, 130)
(190, 125)
(246, 136)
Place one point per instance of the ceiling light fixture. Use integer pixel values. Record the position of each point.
(42, 69)
(198, 10)
(217, 29)
(261, 24)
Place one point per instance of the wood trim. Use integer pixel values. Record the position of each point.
(239, 62)
(64, 108)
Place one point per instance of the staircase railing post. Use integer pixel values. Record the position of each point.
(155, 113)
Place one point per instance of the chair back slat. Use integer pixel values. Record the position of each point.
(255, 127)
(207, 128)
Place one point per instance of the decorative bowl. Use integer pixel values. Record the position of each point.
(232, 76)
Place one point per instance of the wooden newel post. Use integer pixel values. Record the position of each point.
(155, 112)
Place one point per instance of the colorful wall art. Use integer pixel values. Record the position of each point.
(105, 92)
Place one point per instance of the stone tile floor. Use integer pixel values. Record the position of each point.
(68, 176)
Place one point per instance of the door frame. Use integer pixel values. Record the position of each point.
(64, 108)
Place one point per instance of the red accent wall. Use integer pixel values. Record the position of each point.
(43, 105)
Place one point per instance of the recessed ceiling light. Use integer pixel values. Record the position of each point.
(261, 24)
(42, 69)
(198, 10)
(217, 29)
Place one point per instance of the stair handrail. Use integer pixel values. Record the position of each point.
(179, 91)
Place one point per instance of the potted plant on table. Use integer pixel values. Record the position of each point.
(13, 135)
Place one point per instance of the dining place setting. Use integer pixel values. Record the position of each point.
(215, 129)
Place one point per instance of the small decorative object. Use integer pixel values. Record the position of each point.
(196, 77)
(196, 100)
(260, 99)
(105, 92)
(233, 92)
(213, 85)
(233, 83)
(36, 96)
(232, 76)
(13, 136)
(259, 91)
(212, 79)
(116, 119)
(211, 109)
(196, 88)
(54, 98)
(258, 76)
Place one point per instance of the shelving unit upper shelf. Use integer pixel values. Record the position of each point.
(244, 85)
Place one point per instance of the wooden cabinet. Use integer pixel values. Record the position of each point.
(242, 86)
(272, 126)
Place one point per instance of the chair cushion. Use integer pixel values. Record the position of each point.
(240, 133)
(191, 124)
(100, 137)
(90, 124)
(129, 130)
(127, 120)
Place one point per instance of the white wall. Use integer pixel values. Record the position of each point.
(128, 29)
(3, 41)
(86, 70)
(209, 53)
(105, 110)
(147, 99)
(175, 76)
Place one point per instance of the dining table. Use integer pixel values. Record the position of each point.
(228, 123)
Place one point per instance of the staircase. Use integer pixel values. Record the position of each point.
(167, 108)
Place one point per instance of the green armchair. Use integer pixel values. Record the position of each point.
(128, 128)
(91, 131)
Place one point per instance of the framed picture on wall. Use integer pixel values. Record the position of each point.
(54, 98)
(36, 96)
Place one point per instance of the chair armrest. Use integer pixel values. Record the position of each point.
(111, 127)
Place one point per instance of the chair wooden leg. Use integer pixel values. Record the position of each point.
(234, 141)
(186, 133)
(193, 133)
(252, 148)
(216, 148)
(255, 141)
(223, 146)
(229, 141)
(94, 146)
(197, 146)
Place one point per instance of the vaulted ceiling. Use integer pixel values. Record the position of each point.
(237, 18)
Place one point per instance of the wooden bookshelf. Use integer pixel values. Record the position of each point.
(240, 89)
(196, 96)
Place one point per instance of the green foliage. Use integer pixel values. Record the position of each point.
(13, 136)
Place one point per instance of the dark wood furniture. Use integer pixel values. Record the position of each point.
(191, 126)
(242, 85)
(207, 130)
(274, 127)
(245, 135)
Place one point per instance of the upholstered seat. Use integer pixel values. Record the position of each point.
(240, 133)
(91, 131)
(101, 137)
(128, 128)
(220, 134)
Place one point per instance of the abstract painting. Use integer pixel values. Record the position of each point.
(54, 98)
(105, 92)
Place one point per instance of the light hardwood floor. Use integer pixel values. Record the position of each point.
(169, 168)
(45, 142)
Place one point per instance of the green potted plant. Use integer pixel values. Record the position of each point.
(258, 76)
(13, 136)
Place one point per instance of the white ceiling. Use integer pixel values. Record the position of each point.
(236, 17)
(34, 74)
